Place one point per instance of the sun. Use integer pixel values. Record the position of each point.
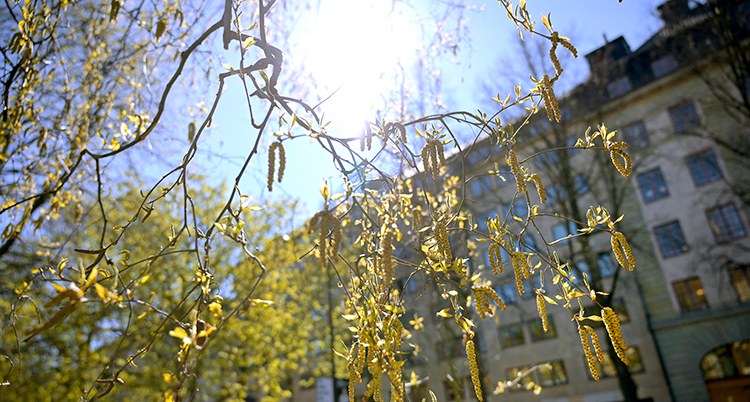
(357, 48)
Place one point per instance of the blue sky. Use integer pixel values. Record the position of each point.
(490, 44)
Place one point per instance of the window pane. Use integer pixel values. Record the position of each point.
(741, 281)
(690, 294)
(636, 136)
(513, 373)
(619, 87)
(704, 168)
(553, 373)
(608, 369)
(725, 223)
(537, 330)
(670, 239)
(511, 335)
(664, 66)
(684, 117)
(652, 185)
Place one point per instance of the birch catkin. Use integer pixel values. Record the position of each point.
(471, 354)
(386, 250)
(542, 309)
(272, 162)
(441, 236)
(517, 272)
(496, 258)
(595, 341)
(612, 324)
(587, 352)
(540, 188)
(515, 168)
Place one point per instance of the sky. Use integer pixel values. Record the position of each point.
(368, 30)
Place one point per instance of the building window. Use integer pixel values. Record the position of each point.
(619, 87)
(636, 136)
(684, 117)
(511, 335)
(562, 230)
(514, 372)
(740, 277)
(690, 294)
(608, 369)
(552, 373)
(670, 239)
(664, 66)
(727, 361)
(725, 223)
(653, 186)
(704, 168)
(537, 331)
(507, 292)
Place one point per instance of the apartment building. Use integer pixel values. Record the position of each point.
(686, 308)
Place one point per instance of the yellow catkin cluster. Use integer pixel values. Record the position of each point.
(471, 354)
(496, 258)
(542, 309)
(433, 156)
(524, 266)
(386, 250)
(353, 376)
(618, 240)
(515, 168)
(441, 235)
(328, 222)
(517, 271)
(540, 187)
(597, 346)
(612, 323)
(556, 39)
(624, 170)
(272, 162)
(488, 291)
(587, 352)
(416, 219)
(550, 100)
(483, 305)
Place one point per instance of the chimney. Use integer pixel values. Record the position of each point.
(602, 59)
(673, 11)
